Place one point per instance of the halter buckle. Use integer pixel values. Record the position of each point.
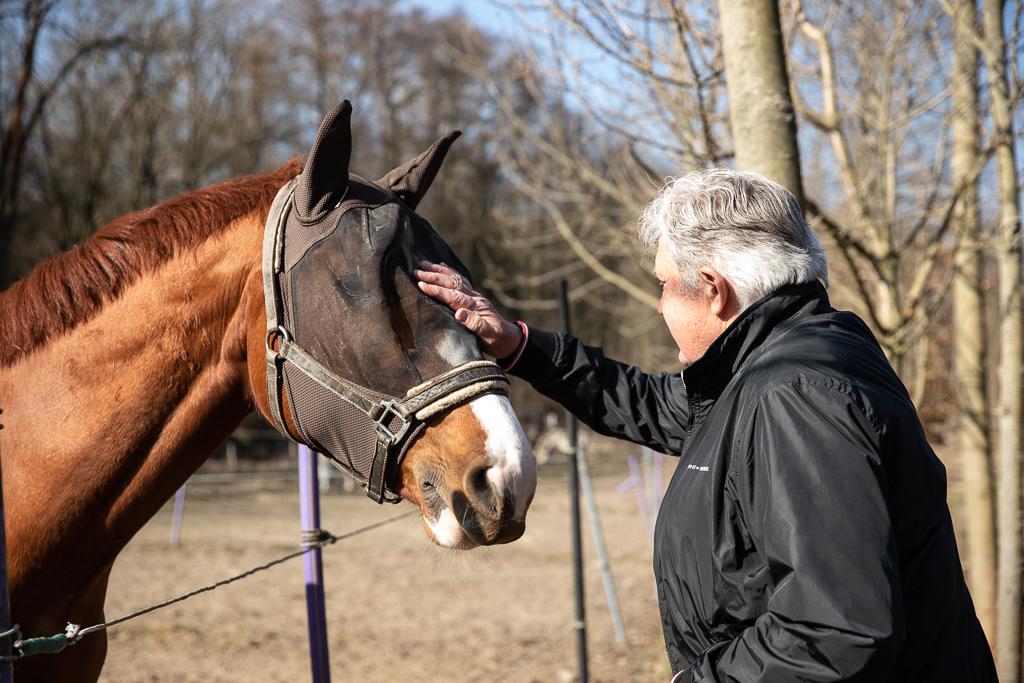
(387, 448)
(387, 411)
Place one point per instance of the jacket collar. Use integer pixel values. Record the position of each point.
(706, 377)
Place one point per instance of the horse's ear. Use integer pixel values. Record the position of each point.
(325, 173)
(411, 180)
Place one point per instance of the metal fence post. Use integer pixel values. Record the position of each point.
(178, 515)
(316, 612)
(574, 512)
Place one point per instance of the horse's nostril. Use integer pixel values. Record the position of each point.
(480, 490)
(477, 478)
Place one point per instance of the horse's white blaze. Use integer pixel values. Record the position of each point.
(454, 349)
(447, 531)
(513, 466)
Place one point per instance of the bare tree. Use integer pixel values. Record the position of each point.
(883, 113)
(760, 108)
(30, 91)
(1004, 92)
(969, 341)
(1008, 410)
(213, 88)
(586, 142)
(601, 132)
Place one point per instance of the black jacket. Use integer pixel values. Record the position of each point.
(804, 535)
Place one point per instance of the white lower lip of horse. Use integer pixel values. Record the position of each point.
(513, 466)
(447, 532)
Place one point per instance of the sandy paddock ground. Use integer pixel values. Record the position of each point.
(398, 607)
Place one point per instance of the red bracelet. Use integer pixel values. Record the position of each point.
(514, 358)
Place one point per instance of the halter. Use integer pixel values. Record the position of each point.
(395, 422)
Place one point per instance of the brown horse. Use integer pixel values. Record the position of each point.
(126, 361)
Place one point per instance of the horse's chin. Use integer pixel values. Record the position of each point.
(446, 532)
(465, 543)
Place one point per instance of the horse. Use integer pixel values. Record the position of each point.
(126, 361)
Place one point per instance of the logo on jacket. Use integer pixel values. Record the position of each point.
(699, 468)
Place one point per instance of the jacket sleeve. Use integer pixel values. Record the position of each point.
(813, 491)
(612, 398)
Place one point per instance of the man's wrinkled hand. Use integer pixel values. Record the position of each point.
(499, 337)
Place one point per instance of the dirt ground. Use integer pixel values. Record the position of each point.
(398, 607)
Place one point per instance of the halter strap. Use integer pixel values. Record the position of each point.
(273, 234)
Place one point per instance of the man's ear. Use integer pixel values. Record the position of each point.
(718, 292)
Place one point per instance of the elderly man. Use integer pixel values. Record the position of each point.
(805, 534)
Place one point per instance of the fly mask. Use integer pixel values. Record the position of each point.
(357, 356)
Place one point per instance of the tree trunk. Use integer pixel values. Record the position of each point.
(15, 135)
(760, 108)
(969, 347)
(1008, 414)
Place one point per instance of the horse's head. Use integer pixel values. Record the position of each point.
(351, 332)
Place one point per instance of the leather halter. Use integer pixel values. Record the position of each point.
(396, 421)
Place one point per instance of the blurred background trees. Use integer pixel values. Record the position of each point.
(895, 119)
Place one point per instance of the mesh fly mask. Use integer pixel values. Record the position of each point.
(338, 253)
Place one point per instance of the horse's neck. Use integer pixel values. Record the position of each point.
(106, 421)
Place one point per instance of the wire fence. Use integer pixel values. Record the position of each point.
(73, 633)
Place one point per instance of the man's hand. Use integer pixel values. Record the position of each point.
(499, 337)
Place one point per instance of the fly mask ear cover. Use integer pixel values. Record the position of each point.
(324, 274)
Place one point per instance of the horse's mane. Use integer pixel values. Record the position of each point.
(69, 288)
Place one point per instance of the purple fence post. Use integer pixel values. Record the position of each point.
(178, 516)
(6, 668)
(640, 492)
(309, 511)
(658, 463)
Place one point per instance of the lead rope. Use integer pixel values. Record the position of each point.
(311, 539)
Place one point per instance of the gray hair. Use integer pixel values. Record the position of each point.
(747, 227)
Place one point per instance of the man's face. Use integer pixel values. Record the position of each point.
(689, 318)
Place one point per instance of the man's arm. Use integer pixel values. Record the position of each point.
(813, 491)
(612, 398)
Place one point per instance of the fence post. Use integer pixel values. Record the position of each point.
(587, 488)
(316, 612)
(574, 511)
(178, 516)
(6, 667)
(599, 547)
